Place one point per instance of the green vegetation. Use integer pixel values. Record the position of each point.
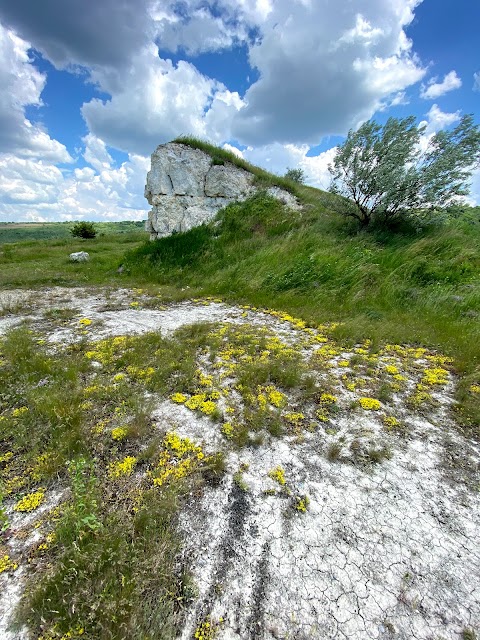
(21, 231)
(84, 230)
(385, 175)
(78, 415)
(36, 263)
(297, 175)
(106, 561)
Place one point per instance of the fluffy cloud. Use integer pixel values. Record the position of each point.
(438, 119)
(277, 158)
(158, 101)
(38, 190)
(323, 71)
(435, 89)
(21, 85)
(88, 33)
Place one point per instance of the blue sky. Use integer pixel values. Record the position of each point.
(88, 90)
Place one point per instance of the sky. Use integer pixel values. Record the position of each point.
(89, 89)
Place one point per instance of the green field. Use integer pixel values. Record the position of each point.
(20, 231)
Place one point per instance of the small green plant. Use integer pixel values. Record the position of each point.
(4, 522)
(469, 634)
(296, 175)
(84, 230)
(333, 452)
(83, 511)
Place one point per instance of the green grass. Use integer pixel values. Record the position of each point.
(39, 263)
(109, 564)
(409, 286)
(19, 232)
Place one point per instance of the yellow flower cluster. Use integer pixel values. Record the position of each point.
(277, 474)
(21, 411)
(204, 380)
(203, 402)
(390, 422)
(227, 429)
(327, 399)
(391, 369)
(207, 630)
(119, 433)
(179, 398)
(275, 397)
(435, 376)
(370, 404)
(30, 502)
(475, 388)
(179, 458)
(6, 457)
(85, 322)
(7, 565)
(136, 373)
(106, 351)
(302, 503)
(122, 468)
(294, 418)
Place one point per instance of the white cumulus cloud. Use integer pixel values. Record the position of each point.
(434, 89)
(21, 85)
(158, 101)
(323, 70)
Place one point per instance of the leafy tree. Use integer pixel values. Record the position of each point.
(297, 175)
(384, 172)
(83, 230)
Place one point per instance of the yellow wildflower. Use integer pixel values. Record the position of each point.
(122, 468)
(7, 565)
(179, 398)
(277, 474)
(30, 502)
(370, 404)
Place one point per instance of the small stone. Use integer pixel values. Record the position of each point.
(79, 256)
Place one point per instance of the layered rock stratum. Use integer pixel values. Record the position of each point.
(186, 188)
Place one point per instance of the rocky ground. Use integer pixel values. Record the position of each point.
(359, 521)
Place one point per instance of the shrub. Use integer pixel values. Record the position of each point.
(296, 175)
(83, 230)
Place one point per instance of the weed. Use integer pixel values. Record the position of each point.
(334, 451)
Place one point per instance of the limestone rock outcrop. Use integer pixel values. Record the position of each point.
(186, 189)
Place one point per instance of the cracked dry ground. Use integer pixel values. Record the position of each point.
(350, 504)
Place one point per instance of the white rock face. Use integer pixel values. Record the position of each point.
(185, 189)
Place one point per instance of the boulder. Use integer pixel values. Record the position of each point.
(185, 188)
(79, 256)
